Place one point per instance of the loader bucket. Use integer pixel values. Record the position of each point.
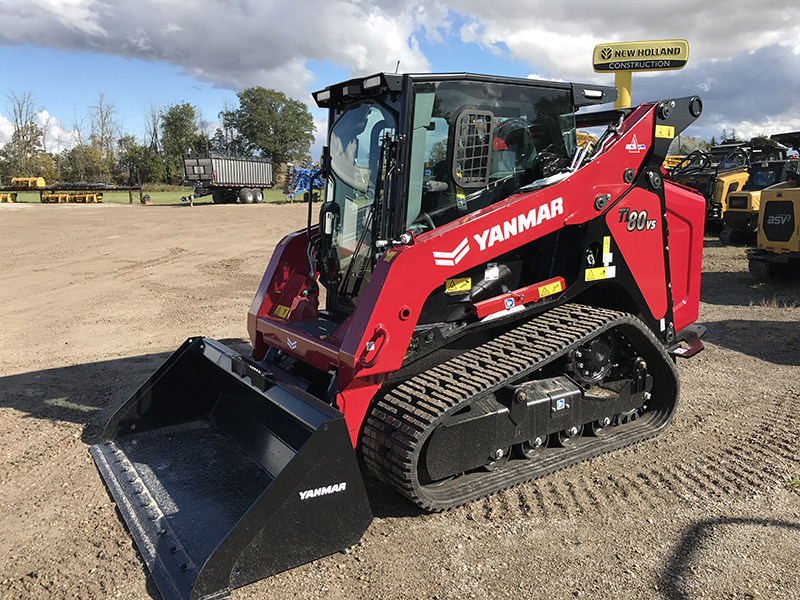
(224, 477)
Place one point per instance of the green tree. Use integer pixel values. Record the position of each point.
(18, 157)
(271, 124)
(438, 152)
(44, 166)
(762, 139)
(684, 145)
(730, 138)
(82, 163)
(138, 161)
(178, 136)
(227, 140)
(22, 155)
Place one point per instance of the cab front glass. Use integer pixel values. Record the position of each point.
(519, 123)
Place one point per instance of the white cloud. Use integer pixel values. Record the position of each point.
(744, 56)
(57, 138)
(6, 130)
(77, 17)
(562, 34)
(231, 44)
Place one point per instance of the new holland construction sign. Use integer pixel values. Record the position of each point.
(641, 56)
(622, 58)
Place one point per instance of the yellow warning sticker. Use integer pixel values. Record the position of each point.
(281, 311)
(606, 244)
(599, 273)
(549, 290)
(595, 274)
(665, 131)
(389, 255)
(458, 285)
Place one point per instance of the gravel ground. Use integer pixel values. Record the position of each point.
(94, 297)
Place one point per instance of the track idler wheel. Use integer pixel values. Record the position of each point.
(628, 417)
(498, 460)
(568, 437)
(532, 448)
(601, 427)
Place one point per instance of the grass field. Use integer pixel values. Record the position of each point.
(172, 197)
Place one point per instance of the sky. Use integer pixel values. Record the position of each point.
(744, 56)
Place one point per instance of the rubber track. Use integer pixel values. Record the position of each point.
(400, 422)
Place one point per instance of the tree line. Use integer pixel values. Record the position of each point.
(683, 145)
(265, 123)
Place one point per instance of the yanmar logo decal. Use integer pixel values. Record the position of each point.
(451, 259)
(323, 491)
(500, 233)
(523, 222)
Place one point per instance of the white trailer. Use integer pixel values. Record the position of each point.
(227, 178)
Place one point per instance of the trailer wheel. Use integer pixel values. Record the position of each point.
(258, 195)
(246, 195)
(218, 196)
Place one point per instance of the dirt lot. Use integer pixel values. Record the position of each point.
(94, 297)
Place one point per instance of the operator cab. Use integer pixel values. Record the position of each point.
(408, 154)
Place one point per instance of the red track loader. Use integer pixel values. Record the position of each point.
(480, 303)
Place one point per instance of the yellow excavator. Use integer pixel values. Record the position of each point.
(769, 166)
(714, 174)
(778, 243)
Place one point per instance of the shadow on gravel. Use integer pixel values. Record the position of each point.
(80, 393)
(776, 342)
(385, 501)
(86, 394)
(687, 553)
(741, 289)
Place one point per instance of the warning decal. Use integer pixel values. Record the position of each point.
(665, 131)
(458, 285)
(599, 273)
(549, 290)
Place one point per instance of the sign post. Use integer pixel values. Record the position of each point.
(622, 58)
